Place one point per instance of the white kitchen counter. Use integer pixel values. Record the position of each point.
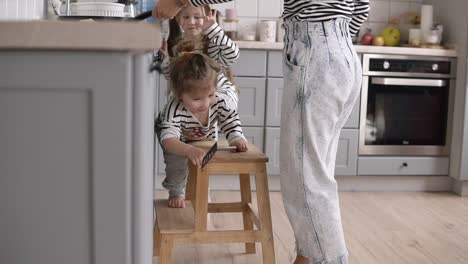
(359, 49)
(75, 35)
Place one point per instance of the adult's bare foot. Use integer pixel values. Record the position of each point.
(301, 260)
(176, 201)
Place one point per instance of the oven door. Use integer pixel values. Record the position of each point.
(404, 116)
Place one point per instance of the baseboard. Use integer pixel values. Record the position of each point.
(460, 187)
(350, 183)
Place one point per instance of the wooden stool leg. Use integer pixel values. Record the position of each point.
(246, 198)
(156, 234)
(166, 250)
(156, 240)
(190, 189)
(264, 212)
(201, 200)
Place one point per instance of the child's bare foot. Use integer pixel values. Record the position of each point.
(177, 201)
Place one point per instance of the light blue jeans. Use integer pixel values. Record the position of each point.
(322, 80)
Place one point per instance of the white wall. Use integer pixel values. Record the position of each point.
(453, 15)
(22, 9)
(252, 11)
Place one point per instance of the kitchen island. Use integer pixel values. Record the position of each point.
(76, 142)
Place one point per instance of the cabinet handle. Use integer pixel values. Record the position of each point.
(404, 164)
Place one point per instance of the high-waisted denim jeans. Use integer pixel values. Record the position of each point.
(322, 80)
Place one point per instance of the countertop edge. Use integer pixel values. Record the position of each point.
(360, 49)
(68, 35)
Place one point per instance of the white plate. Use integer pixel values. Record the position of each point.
(94, 1)
(97, 9)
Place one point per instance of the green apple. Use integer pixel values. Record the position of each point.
(378, 41)
(391, 36)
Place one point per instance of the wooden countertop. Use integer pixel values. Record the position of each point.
(80, 35)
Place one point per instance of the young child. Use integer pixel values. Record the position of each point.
(200, 24)
(194, 112)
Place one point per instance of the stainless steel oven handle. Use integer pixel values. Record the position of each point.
(409, 82)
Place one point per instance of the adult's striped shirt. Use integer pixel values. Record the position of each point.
(318, 10)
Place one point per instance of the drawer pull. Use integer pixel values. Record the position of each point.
(404, 165)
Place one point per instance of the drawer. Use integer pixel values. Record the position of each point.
(250, 63)
(403, 165)
(275, 64)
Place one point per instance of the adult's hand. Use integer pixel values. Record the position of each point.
(166, 9)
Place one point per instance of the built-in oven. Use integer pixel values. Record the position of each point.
(406, 105)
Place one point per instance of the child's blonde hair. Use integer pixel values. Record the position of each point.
(188, 65)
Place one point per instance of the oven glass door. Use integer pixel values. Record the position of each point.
(406, 112)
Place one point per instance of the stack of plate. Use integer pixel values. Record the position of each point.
(100, 8)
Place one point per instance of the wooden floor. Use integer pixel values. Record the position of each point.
(380, 228)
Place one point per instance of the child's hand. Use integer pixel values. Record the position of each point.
(163, 49)
(240, 144)
(195, 155)
(209, 19)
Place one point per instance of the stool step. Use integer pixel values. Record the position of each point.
(174, 220)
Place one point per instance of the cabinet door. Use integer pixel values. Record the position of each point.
(250, 63)
(272, 149)
(251, 100)
(346, 159)
(353, 119)
(347, 154)
(274, 97)
(75, 155)
(275, 64)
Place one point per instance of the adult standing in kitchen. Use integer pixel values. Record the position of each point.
(322, 80)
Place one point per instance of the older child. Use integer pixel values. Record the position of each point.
(200, 24)
(194, 112)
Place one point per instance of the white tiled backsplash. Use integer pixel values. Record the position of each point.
(250, 12)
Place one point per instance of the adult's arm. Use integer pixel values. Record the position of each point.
(360, 14)
(166, 9)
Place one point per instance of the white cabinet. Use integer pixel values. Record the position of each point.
(272, 149)
(76, 156)
(250, 63)
(251, 100)
(273, 103)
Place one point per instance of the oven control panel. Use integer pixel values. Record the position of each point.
(409, 66)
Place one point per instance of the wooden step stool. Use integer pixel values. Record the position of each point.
(189, 224)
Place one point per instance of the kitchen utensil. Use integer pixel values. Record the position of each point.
(209, 155)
